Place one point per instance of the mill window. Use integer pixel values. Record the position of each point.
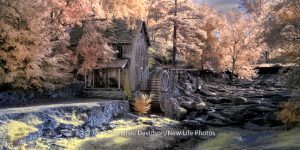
(120, 51)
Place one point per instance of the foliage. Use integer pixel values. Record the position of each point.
(162, 22)
(35, 46)
(22, 43)
(142, 104)
(239, 44)
(93, 48)
(290, 113)
(280, 20)
(205, 38)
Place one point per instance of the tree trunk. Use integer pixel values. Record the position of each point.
(232, 69)
(175, 36)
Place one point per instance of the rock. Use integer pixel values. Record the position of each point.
(109, 126)
(263, 109)
(208, 93)
(201, 106)
(50, 124)
(2, 122)
(65, 126)
(273, 120)
(214, 122)
(193, 124)
(190, 88)
(214, 100)
(155, 116)
(219, 116)
(239, 100)
(31, 137)
(80, 133)
(153, 128)
(130, 116)
(83, 117)
(233, 110)
(148, 122)
(87, 131)
(67, 133)
(189, 105)
(173, 109)
(94, 132)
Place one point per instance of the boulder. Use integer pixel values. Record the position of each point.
(50, 124)
(193, 124)
(80, 133)
(67, 133)
(173, 109)
(239, 100)
(214, 100)
(207, 93)
(190, 88)
(148, 122)
(188, 105)
(201, 105)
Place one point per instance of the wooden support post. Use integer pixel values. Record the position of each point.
(119, 78)
(93, 79)
(106, 77)
(84, 79)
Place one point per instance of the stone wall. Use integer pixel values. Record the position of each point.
(21, 98)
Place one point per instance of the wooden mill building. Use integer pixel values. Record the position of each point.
(130, 67)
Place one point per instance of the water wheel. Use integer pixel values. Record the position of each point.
(159, 85)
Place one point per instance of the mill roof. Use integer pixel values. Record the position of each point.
(121, 31)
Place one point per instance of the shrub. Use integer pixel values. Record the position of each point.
(142, 104)
(290, 113)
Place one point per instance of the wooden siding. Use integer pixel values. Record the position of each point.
(139, 72)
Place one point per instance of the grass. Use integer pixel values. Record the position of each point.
(72, 119)
(221, 141)
(31, 120)
(286, 140)
(111, 139)
(121, 137)
(16, 130)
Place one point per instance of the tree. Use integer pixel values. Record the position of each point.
(240, 45)
(22, 43)
(34, 37)
(176, 24)
(93, 48)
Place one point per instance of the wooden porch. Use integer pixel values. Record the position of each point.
(108, 76)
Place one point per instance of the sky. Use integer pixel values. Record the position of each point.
(221, 5)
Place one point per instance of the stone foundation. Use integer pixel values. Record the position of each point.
(21, 98)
